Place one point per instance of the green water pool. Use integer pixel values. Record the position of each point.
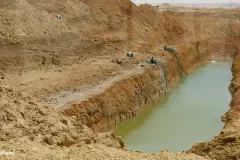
(188, 114)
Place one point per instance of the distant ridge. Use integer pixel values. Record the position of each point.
(205, 5)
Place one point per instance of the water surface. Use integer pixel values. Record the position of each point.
(189, 114)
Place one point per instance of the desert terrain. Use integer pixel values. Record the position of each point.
(66, 80)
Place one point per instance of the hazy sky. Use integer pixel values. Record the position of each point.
(183, 1)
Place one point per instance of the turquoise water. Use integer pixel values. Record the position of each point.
(189, 114)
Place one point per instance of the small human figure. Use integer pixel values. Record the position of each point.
(152, 60)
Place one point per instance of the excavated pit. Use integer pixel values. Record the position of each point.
(75, 57)
(128, 95)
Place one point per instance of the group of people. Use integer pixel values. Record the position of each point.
(154, 61)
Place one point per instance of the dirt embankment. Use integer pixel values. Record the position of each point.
(120, 101)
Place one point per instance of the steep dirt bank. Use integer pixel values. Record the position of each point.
(120, 101)
(226, 145)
